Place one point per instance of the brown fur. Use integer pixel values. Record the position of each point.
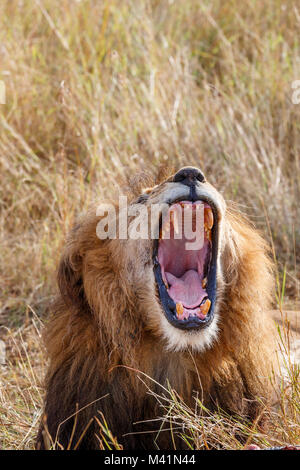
(99, 325)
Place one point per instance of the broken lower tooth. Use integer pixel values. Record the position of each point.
(208, 218)
(205, 307)
(179, 309)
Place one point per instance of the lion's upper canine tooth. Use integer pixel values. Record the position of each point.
(207, 232)
(204, 282)
(175, 221)
(208, 218)
(205, 307)
(165, 231)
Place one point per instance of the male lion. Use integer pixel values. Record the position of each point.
(194, 319)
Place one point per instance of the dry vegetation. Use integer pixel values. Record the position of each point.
(101, 90)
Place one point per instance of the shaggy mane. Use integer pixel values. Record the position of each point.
(96, 327)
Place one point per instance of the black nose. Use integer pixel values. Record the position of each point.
(189, 176)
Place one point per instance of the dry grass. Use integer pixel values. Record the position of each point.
(101, 90)
(21, 403)
(203, 430)
(21, 386)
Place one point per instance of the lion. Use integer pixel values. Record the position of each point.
(195, 320)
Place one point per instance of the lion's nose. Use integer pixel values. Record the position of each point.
(189, 176)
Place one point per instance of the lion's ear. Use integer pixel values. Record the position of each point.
(69, 277)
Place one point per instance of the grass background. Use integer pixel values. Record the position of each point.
(101, 91)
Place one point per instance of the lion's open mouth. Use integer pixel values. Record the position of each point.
(185, 264)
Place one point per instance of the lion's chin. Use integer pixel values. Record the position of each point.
(185, 276)
(177, 340)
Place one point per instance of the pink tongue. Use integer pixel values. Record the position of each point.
(186, 289)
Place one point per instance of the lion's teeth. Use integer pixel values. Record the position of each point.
(165, 232)
(207, 232)
(175, 221)
(208, 218)
(205, 307)
(179, 310)
(204, 282)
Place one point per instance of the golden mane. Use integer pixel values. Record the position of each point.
(98, 324)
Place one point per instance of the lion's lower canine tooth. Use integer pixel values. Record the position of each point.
(179, 309)
(208, 218)
(205, 307)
